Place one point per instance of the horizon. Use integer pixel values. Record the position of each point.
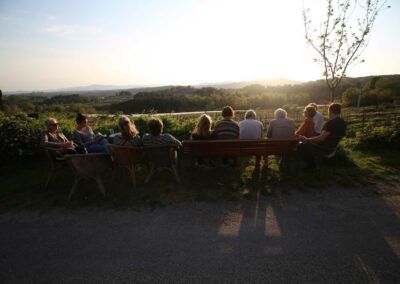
(47, 45)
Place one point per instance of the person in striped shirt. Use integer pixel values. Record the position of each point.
(227, 128)
(156, 137)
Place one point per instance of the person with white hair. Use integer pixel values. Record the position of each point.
(250, 128)
(280, 127)
(54, 138)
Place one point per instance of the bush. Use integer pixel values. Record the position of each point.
(19, 136)
(379, 136)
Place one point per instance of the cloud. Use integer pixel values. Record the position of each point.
(75, 31)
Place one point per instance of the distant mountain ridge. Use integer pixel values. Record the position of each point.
(99, 87)
(274, 83)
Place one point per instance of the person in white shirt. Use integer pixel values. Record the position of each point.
(250, 128)
(318, 120)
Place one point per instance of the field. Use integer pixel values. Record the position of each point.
(367, 158)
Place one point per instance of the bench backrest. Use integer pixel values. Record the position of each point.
(238, 148)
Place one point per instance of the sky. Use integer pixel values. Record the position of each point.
(47, 44)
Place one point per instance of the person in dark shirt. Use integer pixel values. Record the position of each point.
(325, 143)
(227, 128)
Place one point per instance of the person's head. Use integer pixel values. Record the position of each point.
(127, 128)
(81, 120)
(155, 126)
(280, 113)
(51, 124)
(250, 114)
(203, 127)
(309, 111)
(227, 112)
(334, 109)
(314, 105)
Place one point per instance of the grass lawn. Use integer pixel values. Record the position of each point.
(22, 186)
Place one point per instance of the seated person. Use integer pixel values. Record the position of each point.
(280, 127)
(250, 128)
(84, 136)
(54, 138)
(318, 120)
(203, 128)
(306, 129)
(332, 132)
(128, 135)
(227, 128)
(156, 137)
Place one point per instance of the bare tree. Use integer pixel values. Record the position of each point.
(342, 37)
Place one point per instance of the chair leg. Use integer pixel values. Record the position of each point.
(132, 171)
(49, 178)
(175, 172)
(100, 185)
(151, 173)
(73, 188)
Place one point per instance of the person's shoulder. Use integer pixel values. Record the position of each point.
(259, 122)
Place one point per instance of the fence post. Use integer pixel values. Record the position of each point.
(363, 122)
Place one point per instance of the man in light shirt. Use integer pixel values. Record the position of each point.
(250, 128)
(318, 120)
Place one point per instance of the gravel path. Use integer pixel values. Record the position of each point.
(335, 236)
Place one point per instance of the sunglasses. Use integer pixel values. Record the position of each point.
(54, 124)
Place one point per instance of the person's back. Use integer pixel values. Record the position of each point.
(226, 129)
(337, 130)
(281, 128)
(250, 128)
(150, 140)
(156, 137)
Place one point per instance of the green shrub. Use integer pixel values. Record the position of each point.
(19, 136)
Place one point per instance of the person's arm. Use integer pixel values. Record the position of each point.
(318, 139)
(301, 130)
(44, 141)
(261, 129)
(77, 137)
(269, 131)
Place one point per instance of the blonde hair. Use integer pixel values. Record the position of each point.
(203, 127)
(127, 128)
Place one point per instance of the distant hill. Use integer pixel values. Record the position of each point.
(269, 82)
(106, 90)
(277, 84)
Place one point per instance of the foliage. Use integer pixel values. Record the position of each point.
(19, 136)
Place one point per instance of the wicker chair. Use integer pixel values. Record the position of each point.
(163, 157)
(129, 158)
(56, 159)
(88, 166)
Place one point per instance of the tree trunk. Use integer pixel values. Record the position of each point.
(332, 94)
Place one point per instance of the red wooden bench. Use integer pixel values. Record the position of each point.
(238, 148)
